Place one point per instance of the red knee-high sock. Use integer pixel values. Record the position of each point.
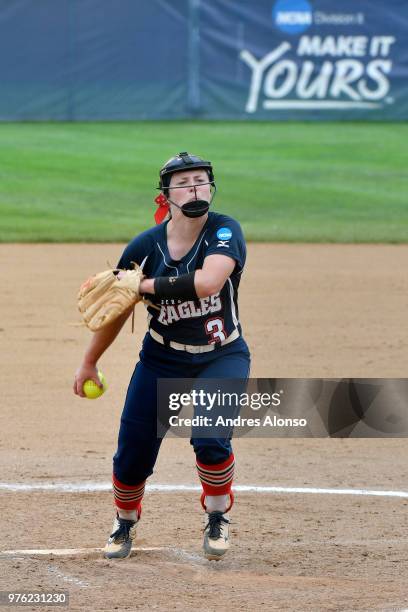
(217, 479)
(128, 497)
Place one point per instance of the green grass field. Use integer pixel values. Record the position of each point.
(303, 182)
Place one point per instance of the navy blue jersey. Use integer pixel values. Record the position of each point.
(205, 320)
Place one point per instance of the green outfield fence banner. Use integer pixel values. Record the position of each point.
(215, 59)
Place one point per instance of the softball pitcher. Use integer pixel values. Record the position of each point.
(192, 260)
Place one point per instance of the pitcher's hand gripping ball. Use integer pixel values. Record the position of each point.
(104, 297)
(91, 389)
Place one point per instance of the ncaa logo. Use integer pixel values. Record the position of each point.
(292, 16)
(224, 233)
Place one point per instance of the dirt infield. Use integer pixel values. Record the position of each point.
(307, 311)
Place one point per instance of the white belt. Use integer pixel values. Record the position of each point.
(191, 348)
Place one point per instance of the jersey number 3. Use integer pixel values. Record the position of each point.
(215, 329)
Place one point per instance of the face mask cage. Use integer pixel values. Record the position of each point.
(165, 189)
(185, 186)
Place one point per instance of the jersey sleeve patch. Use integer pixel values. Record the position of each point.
(228, 240)
(224, 234)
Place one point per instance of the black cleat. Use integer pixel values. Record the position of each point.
(216, 535)
(119, 545)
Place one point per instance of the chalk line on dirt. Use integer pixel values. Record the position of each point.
(66, 578)
(83, 487)
(69, 552)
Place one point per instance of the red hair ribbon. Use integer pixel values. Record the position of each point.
(163, 209)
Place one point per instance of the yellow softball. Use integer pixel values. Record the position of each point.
(91, 389)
